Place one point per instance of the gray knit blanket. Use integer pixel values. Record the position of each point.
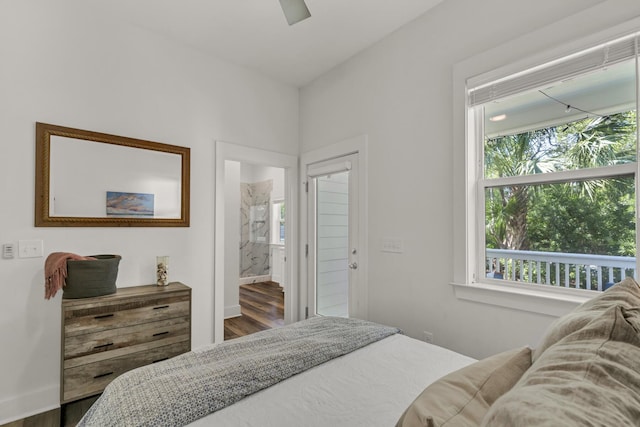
(180, 390)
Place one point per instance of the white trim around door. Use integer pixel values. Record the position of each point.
(228, 151)
(358, 146)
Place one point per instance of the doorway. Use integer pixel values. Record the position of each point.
(335, 228)
(333, 249)
(228, 234)
(255, 209)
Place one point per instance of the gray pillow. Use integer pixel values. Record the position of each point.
(625, 294)
(463, 397)
(590, 377)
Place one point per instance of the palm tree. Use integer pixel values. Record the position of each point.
(507, 207)
(587, 143)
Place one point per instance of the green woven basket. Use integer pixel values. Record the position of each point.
(91, 278)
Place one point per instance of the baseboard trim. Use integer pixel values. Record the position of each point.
(232, 311)
(29, 404)
(255, 279)
(49, 418)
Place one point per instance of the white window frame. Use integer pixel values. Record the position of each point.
(473, 285)
(276, 222)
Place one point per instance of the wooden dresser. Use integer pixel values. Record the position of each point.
(103, 337)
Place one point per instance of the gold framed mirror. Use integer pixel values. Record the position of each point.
(92, 179)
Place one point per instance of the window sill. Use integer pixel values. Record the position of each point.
(537, 301)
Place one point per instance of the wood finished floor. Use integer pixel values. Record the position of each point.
(262, 307)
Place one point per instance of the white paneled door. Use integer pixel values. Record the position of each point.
(333, 241)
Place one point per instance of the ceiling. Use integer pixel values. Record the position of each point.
(255, 33)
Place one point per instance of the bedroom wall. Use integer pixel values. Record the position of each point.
(399, 93)
(232, 238)
(62, 65)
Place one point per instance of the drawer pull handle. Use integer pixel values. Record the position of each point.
(103, 345)
(161, 306)
(103, 316)
(103, 375)
(160, 360)
(157, 334)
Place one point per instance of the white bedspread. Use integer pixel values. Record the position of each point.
(370, 387)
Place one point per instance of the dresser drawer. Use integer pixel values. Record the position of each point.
(113, 339)
(92, 378)
(126, 313)
(105, 336)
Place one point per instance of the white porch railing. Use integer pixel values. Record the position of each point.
(594, 272)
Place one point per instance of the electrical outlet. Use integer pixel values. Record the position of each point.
(428, 337)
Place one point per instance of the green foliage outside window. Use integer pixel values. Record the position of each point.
(594, 216)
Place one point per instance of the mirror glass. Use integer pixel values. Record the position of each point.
(86, 178)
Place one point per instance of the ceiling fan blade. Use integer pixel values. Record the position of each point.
(295, 10)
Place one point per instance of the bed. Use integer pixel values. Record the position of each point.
(368, 387)
(365, 382)
(347, 372)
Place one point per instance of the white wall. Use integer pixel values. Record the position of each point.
(399, 93)
(232, 238)
(64, 66)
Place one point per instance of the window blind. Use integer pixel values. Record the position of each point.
(316, 170)
(589, 60)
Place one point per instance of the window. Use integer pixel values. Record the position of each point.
(556, 163)
(278, 216)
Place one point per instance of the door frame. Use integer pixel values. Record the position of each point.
(356, 145)
(255, 156)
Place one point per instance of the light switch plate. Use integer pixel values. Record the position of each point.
(392, 245)
(30, 248)
(8, 251)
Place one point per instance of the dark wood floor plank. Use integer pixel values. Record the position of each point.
(262, 307)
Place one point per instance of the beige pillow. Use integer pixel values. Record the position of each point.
(463, 397)
(590, 377)
(625, 294)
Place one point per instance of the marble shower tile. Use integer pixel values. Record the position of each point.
(255, 222)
